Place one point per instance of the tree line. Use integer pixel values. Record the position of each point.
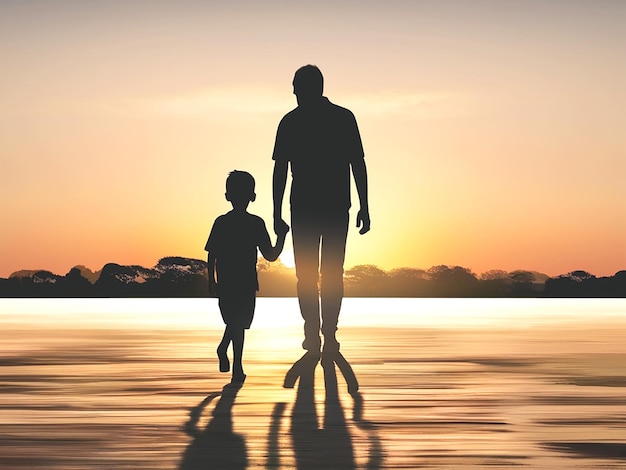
(187, 277)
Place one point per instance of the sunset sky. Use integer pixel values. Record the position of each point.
(494, 130)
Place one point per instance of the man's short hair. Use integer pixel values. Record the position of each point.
(308, 80)
(240, 183)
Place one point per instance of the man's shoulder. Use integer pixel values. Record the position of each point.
(340, 110)
(327, 107)
(290, 116)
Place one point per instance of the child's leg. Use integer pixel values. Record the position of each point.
(238, 335)
(222, 350)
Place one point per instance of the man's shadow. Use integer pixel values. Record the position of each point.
(328, 446)
(216, 446)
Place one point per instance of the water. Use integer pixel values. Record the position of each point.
(270, 312)
(444, 383)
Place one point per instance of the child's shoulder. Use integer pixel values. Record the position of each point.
(240, 218)
(255, 219)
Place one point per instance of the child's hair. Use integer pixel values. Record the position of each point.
(240, 183)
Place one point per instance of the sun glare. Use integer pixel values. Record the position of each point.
(286, 257)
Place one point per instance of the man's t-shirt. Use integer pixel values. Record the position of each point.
(234, 240)
(320, 140)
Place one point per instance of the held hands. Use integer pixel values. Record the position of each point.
(363, 221)
(280, 227)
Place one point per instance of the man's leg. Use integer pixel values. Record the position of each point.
(333, 255)
(306, 255)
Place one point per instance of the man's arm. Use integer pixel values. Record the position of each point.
(279, 182)
(359, 170)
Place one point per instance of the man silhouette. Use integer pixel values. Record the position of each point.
(321, 142)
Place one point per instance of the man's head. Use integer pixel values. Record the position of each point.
(240, 188)
(308, 83)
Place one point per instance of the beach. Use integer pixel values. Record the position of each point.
(83, 389)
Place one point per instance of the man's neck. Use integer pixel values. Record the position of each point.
(310, 101)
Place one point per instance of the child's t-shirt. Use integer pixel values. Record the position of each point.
(234, 239)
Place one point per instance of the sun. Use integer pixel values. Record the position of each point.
(286, 257)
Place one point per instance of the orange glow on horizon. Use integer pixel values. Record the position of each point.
(486, 148)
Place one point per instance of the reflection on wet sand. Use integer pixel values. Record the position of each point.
(146, 396)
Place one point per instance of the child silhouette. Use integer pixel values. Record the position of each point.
(232, 255)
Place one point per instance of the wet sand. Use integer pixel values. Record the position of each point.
(402, 397)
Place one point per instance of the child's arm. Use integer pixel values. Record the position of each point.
(271, 253)
(211, 274)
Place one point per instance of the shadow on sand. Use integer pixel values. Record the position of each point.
(598, 450)
(328, 446)
(314, 447)
(215, 446)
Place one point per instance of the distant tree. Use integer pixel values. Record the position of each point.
(522, 277)
(46, 284)
(522, 283)
(454, 281)
(75, 284)
(275, 279)
(494, 275)
(24, 273)
(495, 283)
(365, 280)
(263, 265)
(577, 283)
(616, 285)
(407, 282)
(580, 276)
(11, 287)
(121, 281)
(175, 276)
(409, 273)
(88, 274)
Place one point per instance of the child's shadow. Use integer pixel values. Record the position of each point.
(215, 446)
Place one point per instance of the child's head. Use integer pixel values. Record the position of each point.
(240, 188)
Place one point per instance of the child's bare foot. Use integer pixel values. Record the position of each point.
(224, 362)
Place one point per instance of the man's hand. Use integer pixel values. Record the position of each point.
(280, 226)
(282, 229)
(363, 221)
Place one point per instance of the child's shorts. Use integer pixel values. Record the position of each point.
(238, 309)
